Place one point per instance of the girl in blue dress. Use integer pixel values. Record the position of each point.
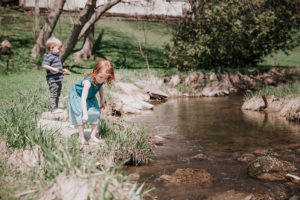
(83, 104)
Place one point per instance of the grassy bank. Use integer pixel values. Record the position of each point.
(292, 90)
(23, 97)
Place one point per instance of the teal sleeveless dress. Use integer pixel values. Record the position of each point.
(75, 109)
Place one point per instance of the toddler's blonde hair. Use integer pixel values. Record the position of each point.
(52, 42)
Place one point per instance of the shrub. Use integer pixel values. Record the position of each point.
(233, 33)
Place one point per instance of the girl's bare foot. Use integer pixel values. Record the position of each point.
(83, 142)
(96, 140)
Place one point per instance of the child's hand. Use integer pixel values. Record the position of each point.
(65, 71)
(102, 105)
(85, 119)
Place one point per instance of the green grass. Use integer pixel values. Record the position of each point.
(23, 97)
(114, 40)
(292, 90)
(281, 59)
(130, 142)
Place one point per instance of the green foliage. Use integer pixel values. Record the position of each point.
(233, 33)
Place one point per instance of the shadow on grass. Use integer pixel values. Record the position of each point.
(125, 52)
(97, 44)
(73, 68)
(20, 42)
(257, 68)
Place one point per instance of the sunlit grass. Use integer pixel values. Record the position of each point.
(24, 96)
(281, 59)
(292, 90)
(117, 41)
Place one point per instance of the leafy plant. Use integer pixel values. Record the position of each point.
(233, 33)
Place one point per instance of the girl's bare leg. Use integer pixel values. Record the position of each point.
(81, 135)
(94, 132)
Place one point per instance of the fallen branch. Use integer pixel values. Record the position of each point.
(293, 178)
(261, 108)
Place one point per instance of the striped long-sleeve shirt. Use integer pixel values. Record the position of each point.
(53, 60)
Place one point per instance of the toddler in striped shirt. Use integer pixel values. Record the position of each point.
(55, 72)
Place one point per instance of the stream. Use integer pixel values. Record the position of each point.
(217, 128)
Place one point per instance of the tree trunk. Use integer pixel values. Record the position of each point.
(45, 33)
(86, 52)
(96, 16)
(72, 39)
(197, 7)
(36, 27)
(21, 3)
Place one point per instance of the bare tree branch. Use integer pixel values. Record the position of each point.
(86, 52)
(96, 16)
(36, 27)
(45, 33)
(72, 39)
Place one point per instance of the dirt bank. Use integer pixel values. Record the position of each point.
(220, 84)
(287, 107)
(136, 96)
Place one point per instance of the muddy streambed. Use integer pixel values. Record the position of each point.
(218, 129)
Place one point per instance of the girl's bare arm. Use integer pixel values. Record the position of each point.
(86, 86)
(102, 100)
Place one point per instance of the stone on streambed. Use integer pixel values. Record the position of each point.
(188, 176)
(158, 140)
(246, 157)
(199, 156)
(232, 195)
(269, 168)
(292, 187)
(295, 197)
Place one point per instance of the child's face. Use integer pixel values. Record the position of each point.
(56, 49)
(100, 78)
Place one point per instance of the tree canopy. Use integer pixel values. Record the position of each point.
(233, 33)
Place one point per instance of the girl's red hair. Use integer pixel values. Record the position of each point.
(105, 67)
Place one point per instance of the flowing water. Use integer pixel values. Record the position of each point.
(218, 128)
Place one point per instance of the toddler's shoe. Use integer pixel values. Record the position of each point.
(57, 111)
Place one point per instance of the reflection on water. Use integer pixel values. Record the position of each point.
(217, 124)
(216, 127)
